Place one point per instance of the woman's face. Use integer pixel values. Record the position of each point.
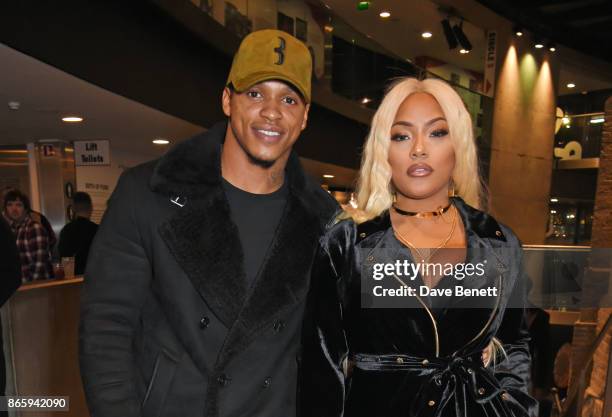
(421, 154)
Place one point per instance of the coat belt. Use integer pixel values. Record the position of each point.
(445, 380)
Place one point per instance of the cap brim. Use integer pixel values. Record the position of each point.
(249, 81)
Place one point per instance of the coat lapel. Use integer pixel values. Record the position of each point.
(204, 240)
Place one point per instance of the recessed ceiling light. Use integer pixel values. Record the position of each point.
(553, 212)
(426, 35)
(570, 85)
(365, 100)
(597, 120)
(72, 119)
(554, 200)
(464, 51)
(539, 45)
(328, 176)
(160, 141)
(552, 47)
(518, 31)
(385, 14)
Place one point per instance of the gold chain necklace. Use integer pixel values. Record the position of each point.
(433, 252)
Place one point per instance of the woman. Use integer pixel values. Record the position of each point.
(419, 188)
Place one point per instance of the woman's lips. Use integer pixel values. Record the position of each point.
(419, 170)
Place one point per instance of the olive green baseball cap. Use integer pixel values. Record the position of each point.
(271, 55)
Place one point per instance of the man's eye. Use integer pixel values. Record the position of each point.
(253, 94)
(439, 133)
(399, 137)
(290, 100)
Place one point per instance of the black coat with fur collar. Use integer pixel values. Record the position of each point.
(168, 325)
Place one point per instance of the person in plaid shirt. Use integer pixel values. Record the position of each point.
(31, 238)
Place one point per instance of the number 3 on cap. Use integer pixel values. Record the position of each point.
(280, 50)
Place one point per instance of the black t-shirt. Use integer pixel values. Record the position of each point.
(257, 217)
(75, 240)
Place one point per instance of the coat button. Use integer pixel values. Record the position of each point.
(400, 360)
(505, 396)
(498, 233)
(431, 403)
(204, 322)
(425, 362)
(267, 382)
(370, 258)
(481, 391)
(362, 235)
(223, 380)
(278, 326)
(470, 371)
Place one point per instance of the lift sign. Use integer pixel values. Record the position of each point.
(90, 153)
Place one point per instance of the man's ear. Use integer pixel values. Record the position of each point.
(305, 121)
(225, 101)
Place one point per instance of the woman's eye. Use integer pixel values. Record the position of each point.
(399, 137)
(290, 100)
(439, 133)
(253, 94)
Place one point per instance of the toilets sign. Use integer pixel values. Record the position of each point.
(92, 153)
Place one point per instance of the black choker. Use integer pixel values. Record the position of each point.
(422, 214)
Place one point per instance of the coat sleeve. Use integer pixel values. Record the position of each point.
(324, 345)
(117, 277)
(10, 264)
(514, 370)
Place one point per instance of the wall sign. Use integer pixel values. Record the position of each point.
(488, 87)
(92, 153)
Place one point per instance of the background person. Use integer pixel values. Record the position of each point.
(76, 237)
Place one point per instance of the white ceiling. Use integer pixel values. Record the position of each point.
(46, 94)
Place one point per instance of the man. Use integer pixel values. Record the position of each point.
(31, 238)
(76, 236)
(198, 275)
(37, 217)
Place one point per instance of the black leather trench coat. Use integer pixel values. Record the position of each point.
(419, 361)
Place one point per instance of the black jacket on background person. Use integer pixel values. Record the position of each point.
(168, 326)
(75, 240)
(10, 280)
(415, 361)
(10, 265)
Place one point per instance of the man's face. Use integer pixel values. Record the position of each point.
(15, 210)
(265, 120)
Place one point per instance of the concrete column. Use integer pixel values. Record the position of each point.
(523, 136)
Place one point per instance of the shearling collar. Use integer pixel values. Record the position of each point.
(192, 165)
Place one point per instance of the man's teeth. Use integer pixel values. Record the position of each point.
(269, 132)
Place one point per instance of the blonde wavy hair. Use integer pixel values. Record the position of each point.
(374, 192)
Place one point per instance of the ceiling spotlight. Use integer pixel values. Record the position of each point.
(464, 51)
(72, 119)
(570, 85)
(537, 42)
(518, 31)
(365, 100)
(161, 141)
(460, 36)
(451, 40)
(554, 200)
(385, 14)
(597, 120)
(328, 176)
(552, 47)
(426, 35)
